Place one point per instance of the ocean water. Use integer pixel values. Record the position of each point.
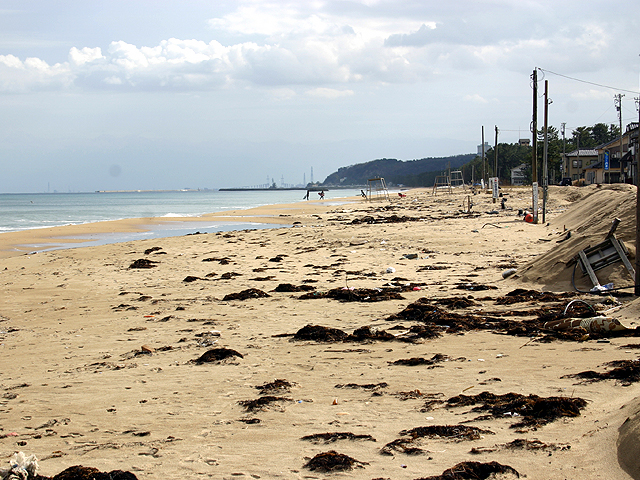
(27, 211)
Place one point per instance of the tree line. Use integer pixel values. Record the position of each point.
(511, 155)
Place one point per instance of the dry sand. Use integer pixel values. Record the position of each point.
(97, 358)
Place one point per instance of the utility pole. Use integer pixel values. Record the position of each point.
(534, 129)
(483, 177)
(545, 179)
(564, 157)
(495, 162)
(636, 289)
(495, 157)
(618, 102)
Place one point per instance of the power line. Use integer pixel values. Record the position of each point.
(590, 83)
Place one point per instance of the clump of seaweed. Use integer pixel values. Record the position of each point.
(331, 437)
(625, 371)
(288, 287)
(409, 444)
(333, 461)
(277, 386)
(366, 386)
(520, 295)
(449, 432)
(473, 471)
(217, 355)
(78, 472)
(535, 411)
(415, 361)
(246, 294)
(262, 403)
(319, 333)
(143, 263)
(355, 295)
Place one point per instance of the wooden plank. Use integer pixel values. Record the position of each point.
(620, 249)
(587, 268)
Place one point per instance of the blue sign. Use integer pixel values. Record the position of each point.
(606, 160)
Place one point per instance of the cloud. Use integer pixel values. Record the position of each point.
(330, 93)
(338, 45)
(475, 98)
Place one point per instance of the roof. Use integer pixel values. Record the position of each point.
(583, 152)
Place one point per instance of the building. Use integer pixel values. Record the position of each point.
(574, 163)
(486, 148)
(524, 142)
(616, 164)
(517, 175)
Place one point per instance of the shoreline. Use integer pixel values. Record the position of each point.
(35, 240)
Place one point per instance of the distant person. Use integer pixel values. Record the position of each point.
(321, 195)
(306, 197)
(364, 195)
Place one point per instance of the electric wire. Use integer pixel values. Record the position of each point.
(590, 83)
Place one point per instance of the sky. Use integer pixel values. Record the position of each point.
(170, 94)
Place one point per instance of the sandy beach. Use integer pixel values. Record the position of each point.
(103, 348)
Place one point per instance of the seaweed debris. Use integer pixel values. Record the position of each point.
(355, 295)
(521, 444)
(449, 432)
(473, 471)
(520, 295)
(262, 403)
(535, 411)
(278, 385)
(78, 472)
(330, 437)
(367, 386)
(151, 250)
(625, 371)
(143, 263)
(288, 287)
(333, 461)
(410, 442)
(246, 294)
(415, 361)
(320, 334)
(217, 355)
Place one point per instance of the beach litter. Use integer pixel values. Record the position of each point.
(333, 461)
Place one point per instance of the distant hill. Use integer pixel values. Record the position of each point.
(412, 173)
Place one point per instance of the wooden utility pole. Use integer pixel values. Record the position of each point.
(618, 102)
(483, 175)
(534, 129)
(545, 173)
(636, 289)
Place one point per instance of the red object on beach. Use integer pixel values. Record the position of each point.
(528, 218)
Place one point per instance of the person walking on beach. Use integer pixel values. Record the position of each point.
(321, 195)
(306, 197)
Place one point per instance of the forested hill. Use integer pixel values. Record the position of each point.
(406, 172)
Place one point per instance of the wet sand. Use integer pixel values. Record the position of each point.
(98, 358)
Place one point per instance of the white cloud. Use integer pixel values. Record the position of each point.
(475, 98)
(80, 57)
(336, 45)
(330, 93)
